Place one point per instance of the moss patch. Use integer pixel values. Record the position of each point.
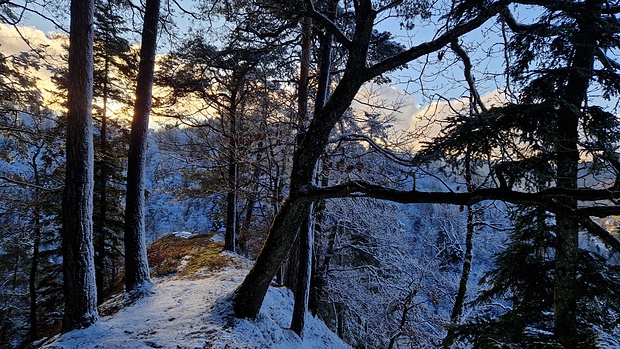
(187, 257)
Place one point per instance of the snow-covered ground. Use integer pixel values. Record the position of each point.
(196, 313)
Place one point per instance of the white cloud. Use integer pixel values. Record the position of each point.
(427, 121)
(391, 100)
(15, 40)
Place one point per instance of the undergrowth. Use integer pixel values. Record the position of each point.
(186, 257)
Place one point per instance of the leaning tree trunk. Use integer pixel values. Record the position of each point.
(80, 291)
(136, 263)
(251, 292)
(301, 254)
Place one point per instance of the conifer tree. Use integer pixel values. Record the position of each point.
(137, 275)
(80, 292)
(535, 143)
(114, 68)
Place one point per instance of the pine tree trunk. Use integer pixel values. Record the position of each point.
(32, 285)
(80, 291)
(244, 232)
(231, 198)
(136, 263)
(567, 230)
(102, 183)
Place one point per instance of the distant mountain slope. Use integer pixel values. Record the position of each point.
(192, 310)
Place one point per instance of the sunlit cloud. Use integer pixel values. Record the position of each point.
(15, 40)
(392, 100)
(428, 121)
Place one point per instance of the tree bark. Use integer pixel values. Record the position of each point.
(244, 232)
(231, 198)
(102, 184)
(80, 291)
(302, 289)
(136, 263)
(32, 284)
(567, 229)
(325, 61)
(301, 253)
(250, 293)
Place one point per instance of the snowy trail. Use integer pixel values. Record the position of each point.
(192, 314)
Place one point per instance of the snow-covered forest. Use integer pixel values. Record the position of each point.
(402, 173)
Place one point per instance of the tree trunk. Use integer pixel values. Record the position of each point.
(80, 291)
(231, 198)
(325, 61)
(567, 230)
(251, 292)
(244, 232)
(457, 309)
(136, 263)
(318, 282)
(102, 184)
(302, 290)
(301, 253)
(32, 285)
(33, 279)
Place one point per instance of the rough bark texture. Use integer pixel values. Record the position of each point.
(250, 294)
(77, 230)
(231, 198)
(301, 254)
(136, 264)
(567, 229)
(101, 183)
(302, 291)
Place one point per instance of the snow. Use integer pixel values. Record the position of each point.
(183, 234)
(197, 313)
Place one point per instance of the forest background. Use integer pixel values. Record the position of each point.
(371, 148)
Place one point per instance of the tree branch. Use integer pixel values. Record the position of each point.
(434, 45)
(545, 198)
(26, 184)
(599, 232)
(327, 24)
(386, 152)
(476, 100)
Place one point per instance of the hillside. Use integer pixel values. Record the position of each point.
(189, 307)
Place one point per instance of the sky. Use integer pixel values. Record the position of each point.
(417, 96)
(13, 40)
